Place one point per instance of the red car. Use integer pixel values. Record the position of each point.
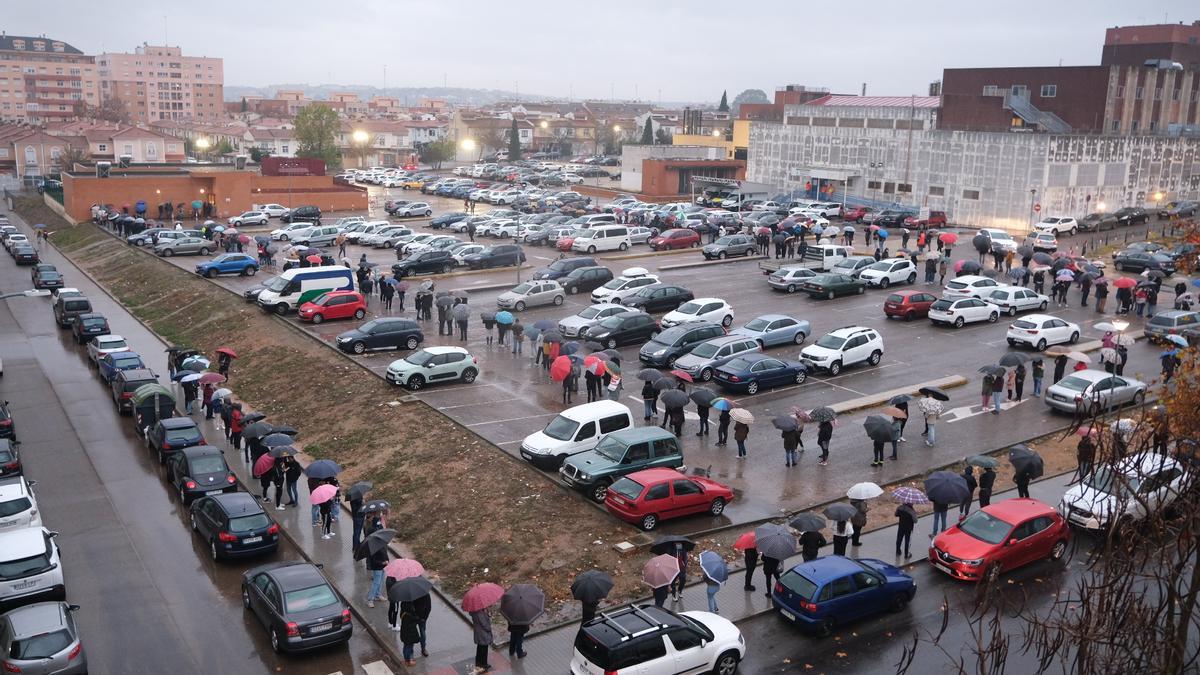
(334, 305)
(565, 242)
(854, 214)
(652, 495)
(908, 305)
(998, 538)
(935, 219)
(673, 239)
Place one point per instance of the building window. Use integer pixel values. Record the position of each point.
(904, 187)
(128, 149)
(873, 185)
(102, 147)
(1020, 90)
(1133, 126)
(1116, 125)
(151, 151)
(971, 194)
(1139, 93)
(1158, 94)
(1049, 90)
(1175, 94)
(991, 90)
(1153, 125)
(30, 156)
(935, 191)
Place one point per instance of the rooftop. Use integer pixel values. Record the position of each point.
(23, 43)
(878, 101)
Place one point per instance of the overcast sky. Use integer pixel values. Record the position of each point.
(674, 49)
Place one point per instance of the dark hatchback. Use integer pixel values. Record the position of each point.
(8, 428)
(1134, 260)
(25, 255)
(425, 262)
(234, 525)
(381, 334)
(561, 268)
(110, 364)
(310, 214)
(503, 255)
(47, 279)
(658, 298)
(753, 372)
(125, 383)
(171, 435)
(297, 606)
(200, 471)
(84, 327)
(1131, 215)
(10, 458)
(624, 329)
(676, 341)
(586, 279)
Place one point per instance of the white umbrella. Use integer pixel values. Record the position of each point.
(866, 490)
(222, 393)
(930, 406)
(741, 415)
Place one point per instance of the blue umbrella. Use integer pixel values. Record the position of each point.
(714, 566)
(1196, 283)
(569, 348)
(322, 469)
(882, 234)
(1178, 339)
(817, 230)
(219, 228)
(40, 226)
(505, 318)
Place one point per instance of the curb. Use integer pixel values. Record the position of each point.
(882, 397)
(652, 254)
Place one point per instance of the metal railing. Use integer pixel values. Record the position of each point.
(1033, 115)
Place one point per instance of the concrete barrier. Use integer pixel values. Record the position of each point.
(872, 400)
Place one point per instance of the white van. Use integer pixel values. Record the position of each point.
(597, 219)
(826, 256)
(299, 285)
(602, 238)
(575, 430)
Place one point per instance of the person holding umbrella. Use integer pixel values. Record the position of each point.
(965, 506)
(681, 556)
(723, 421)
(520, 606)
(291, 476)
(841, 536)
(791, 440)
(906, 522)
(702, 411)
(1085, 453)
(741, 432)
(824, 435)
(811, 542)
(481, 633)
(589, 588)
(518, 336)
(377, 559)
(858, 521)
(650, 402)
(746, 544)
(715, 575)
(986, 480)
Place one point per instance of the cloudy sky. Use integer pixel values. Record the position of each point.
(671, 50)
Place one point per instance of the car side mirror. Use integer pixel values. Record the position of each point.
(31, 483)
(72, 608)
(53, 534)
(1012, 542)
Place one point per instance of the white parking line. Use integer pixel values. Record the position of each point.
(471, 405)
(512, 419)
(376, 668)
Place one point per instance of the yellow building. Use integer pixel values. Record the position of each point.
(735, 143)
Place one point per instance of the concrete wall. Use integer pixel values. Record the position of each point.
(632, 157)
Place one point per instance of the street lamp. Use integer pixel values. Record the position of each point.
(1032, 203)
(1101, 206)
(360, 139)
(203, 144)
(32, 293)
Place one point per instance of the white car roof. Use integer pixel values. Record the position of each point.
(23, 543)
(705, 301)
(110, 338)
(445, 350)
(11, 488)
(1040, 318)
(971, 279)
(631, 272)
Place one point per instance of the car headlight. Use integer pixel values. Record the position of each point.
(973, 563)
(660, 352)
(584, 476)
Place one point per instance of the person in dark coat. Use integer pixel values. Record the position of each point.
(680, 581)
(591, 382)
(791, 440)
(223, 363)
(824, 435)
(357, 518)
(589, 610)
(906, 518)
(1020, 382)
(770, 571)
(702, 411)
(859, 520)
(810, 544)
(1085, 455)
(723, 421)
(986, 480)
(570, 384)
(516, 639)
(1060, 367)
(939, 516)
(676, 421)
(750, 557)
(740, 433)
(841, 537)
(964, 508)
(481, 632)
(445, 324)
(1022, 479)
(291, 475)
(375, 564)
(661, 594)
(265, 479)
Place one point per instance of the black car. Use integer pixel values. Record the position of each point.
(561, 268)
(171, 435)
(447, 219)
(47, 279)
(10, 458)
(1131, 215)
(384, 333)
(234, 525)
(677, 341)
(425, 262)
(297, 606)
(84, 327)
(586, 279)
(125, 383)
(24, 254)
(309, 214)
(8, 428)
(623, 329)
(1095, 222)
(33, 272)
(198, 471)
(250, 295)
(658, 298)
(1134, 260)
(501, 255)
(893, 218)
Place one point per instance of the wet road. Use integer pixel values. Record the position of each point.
(151, 599)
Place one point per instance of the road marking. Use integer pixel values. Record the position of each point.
(965, 412)
(471, 405)
(513, 419)
(376, 668)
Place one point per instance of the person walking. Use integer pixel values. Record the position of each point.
(906, 522)
(711, 588)
(518, 337)
(1139, 302)
(930, 433)
(1060, 367)
(387, 291)
(877, 450)
(1039, 373)
(723, 420)
(1010, 383)
(614, 386)
(676, 421)
(278, 479)
(357, 519)
(1019, 381)
(986, 392)
(341, 244)
(375, 563)
(1022, 479)
(997, 393)
(516, 639)
(897, 436)
(661, 594)
(791, 440)
(740, 433)
(810, 544)
(589, 611)
(1101, 297)
(235, 430)
(931, 264)
(824, 435)
(570, 384)
(591, 383)
(489, 323)
(1151, 301)
(968, 475)
(858, 521)
(943, 267)
(750, 558)
(681, 557)
(770, 567)
(481, 633)
(326, 509)
(264, 481)
(189, 396)
(986, 480)
(841, 537)
(291, 475)
(650, 402)
(1085, 456)
(939, 517)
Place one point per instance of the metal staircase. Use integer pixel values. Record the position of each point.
(1046, 121)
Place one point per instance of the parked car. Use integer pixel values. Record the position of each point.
(773, 330)
(829, 286)
(789, 278)
(586, 279)
(1131, 215)
(168, 436)
(675, 239)
(310, 214)
(32, 555)
(110, 364)
(24, 254)
(1133, 260)
(663, 349)
(960, 311)
(412, 210)
(578, 324)
(234, 524)
(10, 458)
(8, 428)
(645, 498)
(47, 279)
(1013, 299)
(500, 255)
(198, 471)
(296, 605)
(970, 286)
(383, 333)
(229, 263)
(101, 345)
(887, 272)
(273, 210)
(18, 506)
(1040, 330)
(853, 265)
(999, 538)
(653, 640)
(629, 282)
(42, 638)
(1094, 391)
(908, 305)
(252, 218)
(730, 245)
(86, 326)
(623, 329)
(704, 358)
(1181, 209)
(999, 239)
(1096, 222)
(1045, 242)
(184, 246)
(844, 347)
(425, 262)
(1170, 322)
(1057, 225)
(618, 454)
(821, 594)
(752, 372)
(1122, 493)
(531, 294)
(334, 305)
(433, 365)
(125, 382)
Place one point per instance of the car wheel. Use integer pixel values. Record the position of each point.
(167, 253)
(245, 598)
(428, 213)
(717, 507)
(447, 269)
(212, 551)
(275, 642)
(469, 375)
(360, 313)
(752, 388)
(993, 317)
(317, 318)
(829, 295)
(283, 237)
(1060, 548)
(861, 290)
(520, 306)
(610, 343)
(599, 492)
(571, 290)
(958, 323)
(558, 300)
(798, 340)
(1011, 311)
(1041, 345)
(727, 321)
(875, 357)
(1118, 266)
(591, 249)
(195, 527)
(411, 343)
(281, 309)
(415, 382)
(1071, 232)
(791, 288)
(1139, 399)
(623, 246)
(993, 573)
(909, 316)
(210, 273)
(899, 602)
(885, 282)
(706, 374)
(649, 522)
(720, 256)
(358, 347)
(912, 278)
(835, 367)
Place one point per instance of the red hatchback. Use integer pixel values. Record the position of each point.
(334, 305)
(565, 242)
(652, 495)
(908, 305)
(999, 538)
(673, 239)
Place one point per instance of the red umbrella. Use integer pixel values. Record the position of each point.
(211, 378)
(560, 368)
(594, 364)
(745, 541)
(403, 568)
(227, 351)
(682, 375)
(1125, 282)
(948, 238)
(263, 464)
(314, 259)
(482, 596)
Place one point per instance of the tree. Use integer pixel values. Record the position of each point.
(662, 137)
(111, 109)
(490, 139)
(315, 130)
(436, 152)
(246, 106)
(749, 96)
(723, 106)
(563, 144)
(258, 154)
(648, 132)
(223, 148)
(514, 142)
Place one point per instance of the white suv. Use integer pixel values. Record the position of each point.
(630, 281)
(1056, 225)
(651, 640)
(35, 570)
(891, 271)
(844, 347)
(18, 505)
(1106, 495)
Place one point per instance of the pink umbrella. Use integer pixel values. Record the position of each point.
(211, 378)
(403, 568)
(263, 464)
(322, 493)
(313, 259)
(660, 570)
(874, 228)
(482, 596)
(243, 238)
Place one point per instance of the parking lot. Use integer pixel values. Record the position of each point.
(512, 398)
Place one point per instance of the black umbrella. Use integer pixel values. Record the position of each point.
(664, 384)
(544, 324)
(443, 294)
(375, 542)
(990, 273)
(1059, 264)
(591, 586)
(946, 487)
(282, 451)
(487, 316)
(522, 603)
(368, 265)
(899, 398)
(981, 242)
(409, 589)
(969, 267)
(1042, 258)
(673, 398)
(376, 505)
(702, 396)
(774, 541)
(257, 430)
(665, 543)
(1025, 460)
(275, 438)
(552, 336)
(1013, 359)
(1155, 274)
(1088, 277)
(650, 375)
(840, 511)
(1018, 273)
(993, 371)
(879, 428)
(285, 429)
(807, 522)
(460, 312)
(359, 489)
(253, 417)
(613, 354)
(1025, 251)
(785, 423)
(934, 392)
(822, 414)
(593, 346)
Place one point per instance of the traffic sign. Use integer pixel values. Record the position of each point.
(1037, 208)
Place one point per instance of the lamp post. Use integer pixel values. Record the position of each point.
(1032, 203)
(32, 293)
(1120, 325)
(360, 139)
(544, 125)
(469, 144)
(203, 144)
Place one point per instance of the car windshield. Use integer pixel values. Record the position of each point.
(611, 448)
(41, 646)
(1022, 323)
(689, 308)
(999, 235)
(612, 322)
(208, 464)
(798, 584)
(706, 350)
(896, 298)
(249, 523)
(1108, 481)
(831, 342)
(757, 325)
(521, 289)
(1073, 383)
(16, 569)
(627, 488)
(615, 283)
(309, 599)
(882, 266)
(321, 299)
(986, 527)
(589, 313)
(724, 241)
(585, 234)
(739, 364)
(93, 323)
(14, 506)
(182, 435)
(421, 358)
(277, 284)
(561, 428)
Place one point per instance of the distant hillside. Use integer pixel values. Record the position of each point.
(455, 95)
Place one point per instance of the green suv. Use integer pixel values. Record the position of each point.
(620, 453)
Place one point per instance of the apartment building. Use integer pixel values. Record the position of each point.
(44, 80)
(160, 83)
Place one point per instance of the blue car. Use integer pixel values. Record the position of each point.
(447, 219)
(771, 330)
(751, 372)
(111, 364)
(823, 593)
(229, 263)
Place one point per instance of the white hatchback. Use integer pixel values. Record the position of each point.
(970, 286)
(18, 505)
(32, 556)
(105, 344)
(630, 281)
(958, 312)
(1041, 330)
(887, 272)
(1105, 496)
(1015, 299)
(712, 310)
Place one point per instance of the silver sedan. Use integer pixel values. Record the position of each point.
(184, 246)
(1093, 391)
